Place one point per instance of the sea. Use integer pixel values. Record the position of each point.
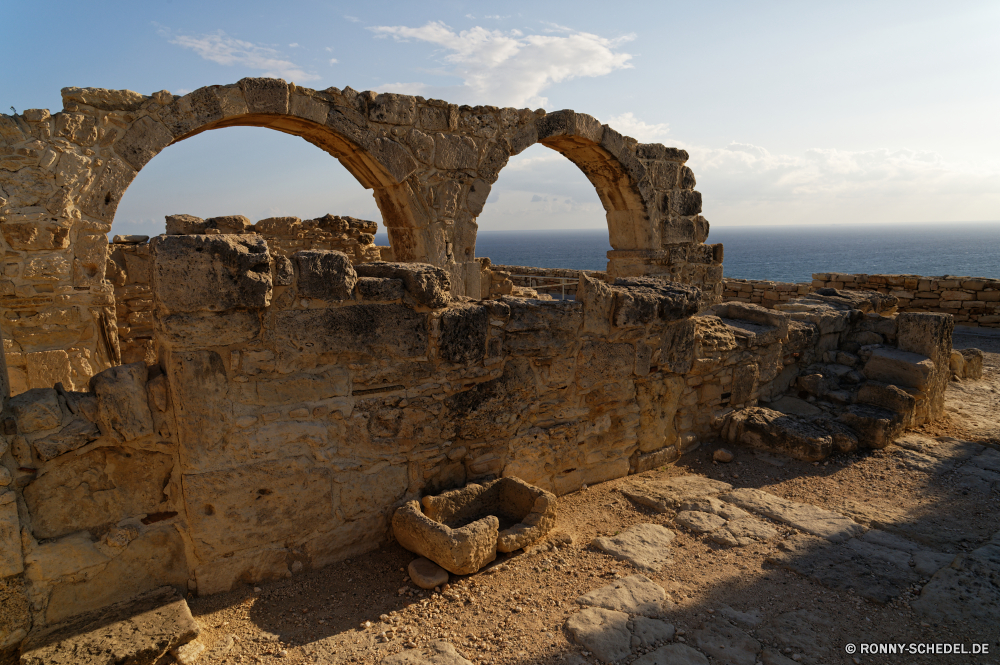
(780, 253)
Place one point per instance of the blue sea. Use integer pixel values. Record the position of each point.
(781, 253)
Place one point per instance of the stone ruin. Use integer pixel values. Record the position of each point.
(233, 402)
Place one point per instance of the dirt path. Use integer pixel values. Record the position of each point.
(935, 490)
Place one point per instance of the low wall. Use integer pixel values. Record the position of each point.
(552, 281)
(296, 401)
(973, 301)
(762, 292)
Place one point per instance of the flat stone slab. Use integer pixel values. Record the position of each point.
(437, 652)
(673, 654)
(726, 643)
(669, 494)
(635, 594)
(645, 546)
(871, 571)
(966, 590)
(646, 632)
(426, 574)
(137, 632)
(803, 516)
(603, 632)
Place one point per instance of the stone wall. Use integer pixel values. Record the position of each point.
(546, 281)
(762, 292)
(430, 165)
(973, 301)
(295, 401)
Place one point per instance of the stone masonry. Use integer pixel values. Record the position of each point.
(430, 165)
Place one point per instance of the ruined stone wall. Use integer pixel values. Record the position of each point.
(295, 401)
(430, 164)
(762, 292)
(973, 301)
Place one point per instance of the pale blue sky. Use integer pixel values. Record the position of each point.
(794, 113)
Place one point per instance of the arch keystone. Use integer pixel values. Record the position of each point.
(265, 95)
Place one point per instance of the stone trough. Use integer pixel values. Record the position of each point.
(460, 530)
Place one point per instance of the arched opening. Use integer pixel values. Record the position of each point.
(292, 194)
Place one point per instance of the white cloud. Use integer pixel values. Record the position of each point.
(511, 68)
(352, 19)
(628, 124)
(293, 45)
(334, 61)
(222, 49)
(328, 49)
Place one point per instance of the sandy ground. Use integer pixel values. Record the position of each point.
(361, 610)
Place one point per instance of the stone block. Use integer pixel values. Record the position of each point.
(125, 483)
(76, 434)
(11, 562)
(36, 409)
(254, 504)
(373, 330)
(901, 368)
(185, 225)
(123, 410)
(142, 141)
(229, 224)
(464, 332)
(380, 289)
(36, 235)
(203, 329)
(211, 273)
(139, 631)
(265, 95)
(427, 284)
(325, 274)
(957, 295)
(455, 152)
(393, 109)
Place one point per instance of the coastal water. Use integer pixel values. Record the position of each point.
(781, 253)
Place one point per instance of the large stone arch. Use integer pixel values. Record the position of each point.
(430, 165)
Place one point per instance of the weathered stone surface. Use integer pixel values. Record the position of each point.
(36, 409)
(645, 546)
(119, 483)
(811, 519)
(647, 632)
(76, 434)
(700, 522)
(673, 654)
(327, 275)
(229, 224)
(726, 643)
(36, 235)
(464, 332)
(234, 272)
(426, 574)
(185, 225)
(965, 590)
(603, 632)
(138, 632)
(11, 562)
(123, 410)
(635, 594)
(900, 368)
(187, 329)
(437, 652)
(427, 285)
(461, 551)
(664, 495)
(380, 289)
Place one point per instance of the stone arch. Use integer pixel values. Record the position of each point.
(378, 162)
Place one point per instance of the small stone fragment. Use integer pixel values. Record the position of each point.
(722, 455)
(426, 574)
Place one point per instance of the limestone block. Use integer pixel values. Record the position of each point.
(374, 491)
(102, 197)
(325, 274)
(185, 225)
(296, 388)
(143, 140)
(77, 127)
(138, 631)
(900, 368)
(888, 397)
(455, 152)
(49, 267)
(374, 330)
(380, 289)
(972, 363)
(393, 109)
(35, 410)
(74, 555)
(427, 285)
(235, 224)
(191, 111)
(78, 433)
(253, 565)
(119, 483)
(875, 426)
(200, 386)
(464, 332)
(461, 551)
(265, 95)
(346, 540)
(123, 410)
(247, 506)
(36, 235)
(599, 362)
(641, 300)
(201, 329)
(677, 350)
(11, 562)
(211, 273)
(154, 558)
(927, 334)
(90, 258)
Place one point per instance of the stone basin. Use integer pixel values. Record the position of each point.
(460, 529)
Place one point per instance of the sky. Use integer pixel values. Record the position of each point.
(794, 113)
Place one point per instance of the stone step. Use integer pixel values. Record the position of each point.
(139, 631)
